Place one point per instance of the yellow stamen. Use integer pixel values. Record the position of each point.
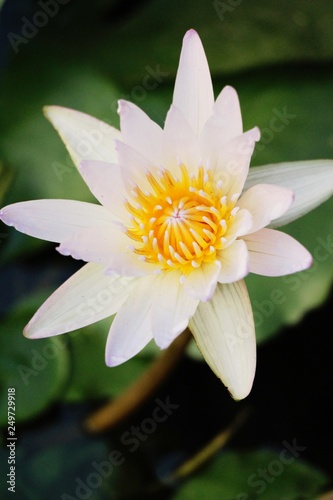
(181, 222)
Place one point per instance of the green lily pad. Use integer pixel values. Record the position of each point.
(87, 347)
(263, 474)
(36, 369)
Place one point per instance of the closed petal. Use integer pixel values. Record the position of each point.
(193, 93)
(311, 182)
(273, 253)
(140, 132)
(131, 329)
(224, 331)
(106, 184)
(54, 220)
(234, 262)
(266, 202)
(172, 307)
(201, 282)
(88, 296)
(85, 137)
(223, 125)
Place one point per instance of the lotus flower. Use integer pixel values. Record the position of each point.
(181, 221)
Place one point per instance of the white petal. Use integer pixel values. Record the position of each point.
(223, 125)
(172, 307)
(201, 282)
(54, 220)
(233, 160)
(106, 184)
(241, 225)
(273, 253)
(85, 137)
(311, 182)
(179, 142)
(94, 244)
(140, 132)
(131, 328)
(88, 296)
(193, 93)
(134, 167)
(224, 331)
(234, 262)
(107, 246)
(266, 202)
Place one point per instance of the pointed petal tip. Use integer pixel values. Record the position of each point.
(49, 111)
(256, 134)
(307, 261)
(123, 106)
(191, 33)
(113, 361)
(29, 333)
(240, 393)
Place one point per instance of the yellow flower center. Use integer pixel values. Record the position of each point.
(180, 223)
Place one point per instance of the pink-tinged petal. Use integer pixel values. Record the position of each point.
(109, 247)
(241, 225)
(131, 329)
(88, 296)
(223, 125)
(54, 220)
(273, 253)
(179, 142)
(140, 132)
(85, 137)
(193, 93)
(234, 262)
(233, 161)
(171, 308)
(266, 202)
(200, 283)
(224, 331)
(311, 182)
(106, 184)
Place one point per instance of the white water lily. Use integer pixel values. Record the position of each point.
(181, 222)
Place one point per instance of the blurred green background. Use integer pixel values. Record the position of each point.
(86, 55)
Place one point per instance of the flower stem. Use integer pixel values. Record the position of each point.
(209, 450)
(134, 396)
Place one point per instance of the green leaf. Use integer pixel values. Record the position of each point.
(54, 459)
(87, 348)
(37, 369)
(236, 35)
(263, 474)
